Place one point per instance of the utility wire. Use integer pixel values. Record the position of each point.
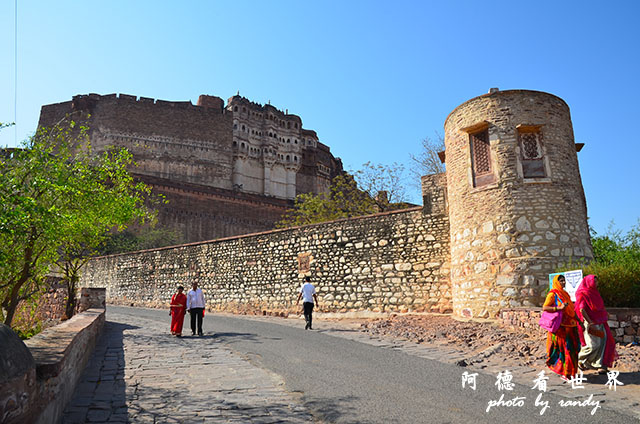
(15, 81)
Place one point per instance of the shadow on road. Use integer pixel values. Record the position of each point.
(338, 409)
(100, 394)
(231, 337)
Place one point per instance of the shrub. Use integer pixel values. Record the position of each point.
(617, 265)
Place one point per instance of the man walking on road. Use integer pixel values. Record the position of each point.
(308, 294)
(195, 307)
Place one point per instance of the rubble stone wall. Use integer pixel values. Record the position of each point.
(624, 322)
(394, 261)
(509, 231)
(38, 376)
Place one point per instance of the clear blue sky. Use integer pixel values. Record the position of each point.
(371, 77)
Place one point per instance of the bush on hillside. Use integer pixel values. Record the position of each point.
(617, 265)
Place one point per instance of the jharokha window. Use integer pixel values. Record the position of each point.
(532, 154)
(481, 158)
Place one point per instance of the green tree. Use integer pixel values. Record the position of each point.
(373, 188)
(5, 125)
(617, 264)
(146, 237)
(57, 202)
(344, 200)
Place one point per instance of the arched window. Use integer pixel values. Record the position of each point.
(288, 140)
(235, 108)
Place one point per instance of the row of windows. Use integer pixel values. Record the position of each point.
(532, 155)
(257, 150)
(273, 135)
(281, 122)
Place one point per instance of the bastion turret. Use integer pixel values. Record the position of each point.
(516, 203)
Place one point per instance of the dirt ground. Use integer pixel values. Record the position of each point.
(528, 348)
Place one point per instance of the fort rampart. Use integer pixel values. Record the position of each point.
(511, 211)
(394, 261)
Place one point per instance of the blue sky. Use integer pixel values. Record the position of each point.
(371, 77)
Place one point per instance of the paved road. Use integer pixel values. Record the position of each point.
(336, 379)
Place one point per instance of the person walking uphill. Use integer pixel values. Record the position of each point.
(308, 294)
(195, 307)
(178, 310)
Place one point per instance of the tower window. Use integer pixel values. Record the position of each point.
(481, 158)
(531, 152)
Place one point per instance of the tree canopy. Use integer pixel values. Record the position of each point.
(58, 201)
(374, 188)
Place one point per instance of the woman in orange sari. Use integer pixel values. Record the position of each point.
(178, 311)
(563, 345)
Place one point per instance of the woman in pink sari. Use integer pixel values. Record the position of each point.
(178, 311)
(598, 345)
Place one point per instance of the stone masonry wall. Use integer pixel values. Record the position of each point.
(508, 235)
(394, 261)
(624, 322)
(206, 213)
(225, 170)
(174, 140)
(38, 376)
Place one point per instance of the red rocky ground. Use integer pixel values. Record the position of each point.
(476, 337)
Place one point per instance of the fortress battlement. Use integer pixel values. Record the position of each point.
(243, 147)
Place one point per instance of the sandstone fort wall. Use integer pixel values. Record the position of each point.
(509, 210)
(172, 140)
(395, 261)
(515, 197)
(226, 170)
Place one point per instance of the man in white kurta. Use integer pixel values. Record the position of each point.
(195, 307)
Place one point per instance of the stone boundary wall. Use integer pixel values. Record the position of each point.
(624, 322)
(50, 364)
(393, 261)
(50, 308)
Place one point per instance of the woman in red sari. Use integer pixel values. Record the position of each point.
(178, 310)
(563, 345)
(598, 345)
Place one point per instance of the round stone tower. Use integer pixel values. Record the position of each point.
(516, 203)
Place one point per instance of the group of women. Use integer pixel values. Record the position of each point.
(584, 340)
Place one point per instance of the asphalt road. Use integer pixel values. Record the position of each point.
(344, 381)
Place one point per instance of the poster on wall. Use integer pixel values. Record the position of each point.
(573, 279)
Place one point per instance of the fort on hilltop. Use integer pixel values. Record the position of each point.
(509, 211)
(225, 169)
